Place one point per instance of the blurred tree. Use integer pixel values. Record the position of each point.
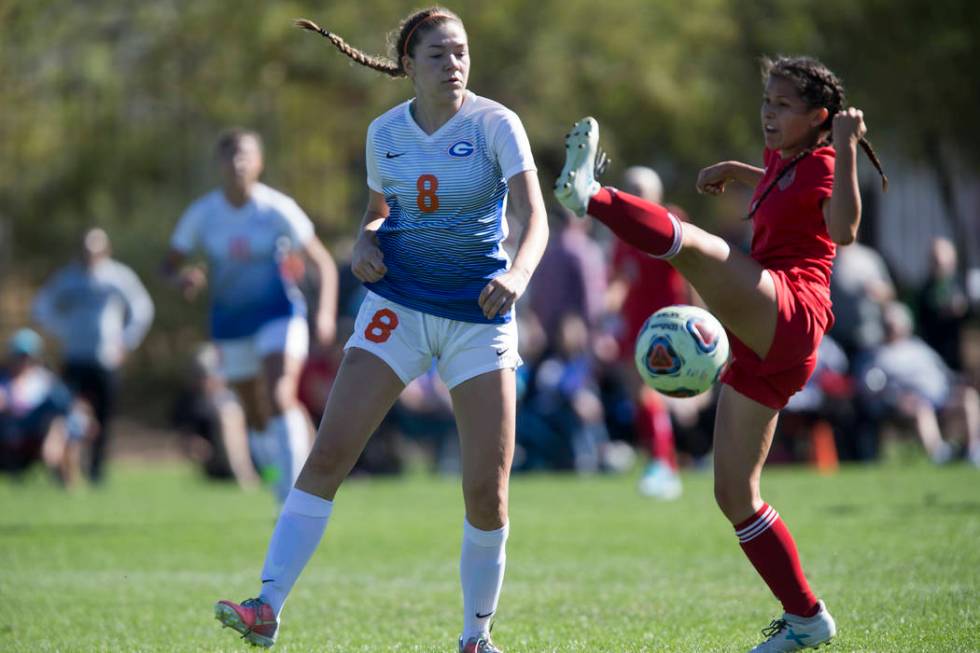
(111, 108)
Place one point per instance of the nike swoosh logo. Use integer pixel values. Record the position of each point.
(483, 616)
(501, 352)
(389, 155)
(268, 580)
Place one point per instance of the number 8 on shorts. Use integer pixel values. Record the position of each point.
(381, 325)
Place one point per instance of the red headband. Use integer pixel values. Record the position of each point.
(408, 38)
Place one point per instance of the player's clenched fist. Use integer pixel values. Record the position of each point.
(367, 261)
(849, 126)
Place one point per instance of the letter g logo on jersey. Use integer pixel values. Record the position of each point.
(461, 148)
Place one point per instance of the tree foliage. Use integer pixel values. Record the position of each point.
(111, 108)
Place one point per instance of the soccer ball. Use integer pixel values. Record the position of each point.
(681, 351)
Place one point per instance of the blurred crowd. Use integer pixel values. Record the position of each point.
(889, 368)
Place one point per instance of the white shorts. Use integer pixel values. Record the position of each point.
(407, 340)
(241, 358)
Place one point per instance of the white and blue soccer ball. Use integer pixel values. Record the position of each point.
(681, 351)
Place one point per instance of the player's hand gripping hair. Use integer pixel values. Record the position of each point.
(849, 127)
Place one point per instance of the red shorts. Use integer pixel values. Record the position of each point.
(801, 320)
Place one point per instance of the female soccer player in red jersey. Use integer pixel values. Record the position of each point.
(775, 303)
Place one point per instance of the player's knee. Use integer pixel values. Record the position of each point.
(733, 498)
(486, 502)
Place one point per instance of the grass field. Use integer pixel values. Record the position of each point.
(592, 566)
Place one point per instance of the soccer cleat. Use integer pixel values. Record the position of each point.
(660, 481)
(974, 457)
(942, 454)
(584, 161)
(253, 618)
(793, 633)
(481, 644)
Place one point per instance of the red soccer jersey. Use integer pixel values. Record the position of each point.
(789, 229)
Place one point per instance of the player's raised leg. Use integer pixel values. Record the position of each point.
(740, 293)
(486, 408)
(362, 394)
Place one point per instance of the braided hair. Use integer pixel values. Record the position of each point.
(402, 41)
(818, 87)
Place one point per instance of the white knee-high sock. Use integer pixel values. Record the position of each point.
(293, 436)
(300, 527)
(481, 571)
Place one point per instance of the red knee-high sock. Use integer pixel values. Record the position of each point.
(769, 546)
(645, 225)
(654, 428)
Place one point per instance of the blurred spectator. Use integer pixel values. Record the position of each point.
(821, 417)
(212, 422)
(943, 305)
(424, 413)
(560, 424)
(859, 286)
(639, 286)
(99, 311)
(906, 380)
(571, 278)
(39, 420)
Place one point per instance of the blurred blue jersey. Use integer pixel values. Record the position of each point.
(245, 247)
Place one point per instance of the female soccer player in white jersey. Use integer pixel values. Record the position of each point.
(253, 237)
(440, 170)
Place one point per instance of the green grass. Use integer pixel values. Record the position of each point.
(895, 551)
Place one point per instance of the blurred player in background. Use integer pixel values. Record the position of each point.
(775, 303)
(640, 285)
(99, 312)
(256, 241)
(441, 170)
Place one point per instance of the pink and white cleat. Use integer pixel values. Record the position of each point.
(478, 645)
(253, 618)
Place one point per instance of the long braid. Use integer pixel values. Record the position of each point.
(831, 82)
(402, 41)
(873, 157)
(381, 64)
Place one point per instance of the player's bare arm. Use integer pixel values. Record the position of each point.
(842, 212)
(367, 260)
(499, 296)
(713, 179)
(326, 317)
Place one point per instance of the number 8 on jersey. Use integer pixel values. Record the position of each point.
(427, 199)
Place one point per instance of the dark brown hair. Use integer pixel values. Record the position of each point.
(229, 139)
(817, 87)
(402, 41)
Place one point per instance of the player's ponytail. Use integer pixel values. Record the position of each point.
(873, 157)
(402, 41)
(381, 64)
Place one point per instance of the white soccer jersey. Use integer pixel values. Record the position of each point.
(447, 195)
(245, 247)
